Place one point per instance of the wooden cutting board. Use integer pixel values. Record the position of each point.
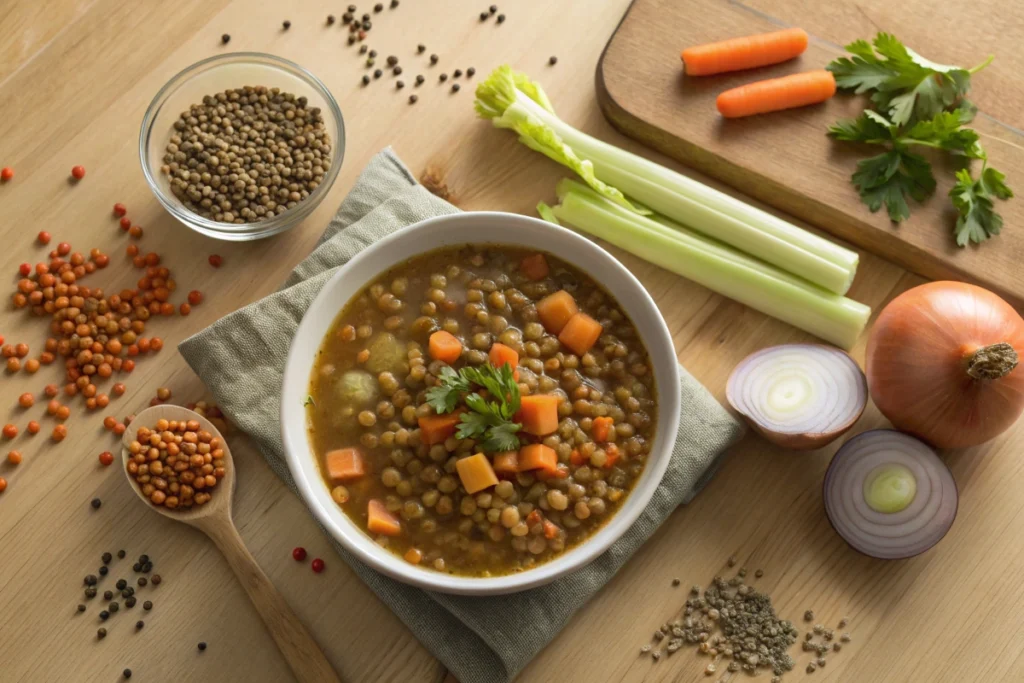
(785, 159)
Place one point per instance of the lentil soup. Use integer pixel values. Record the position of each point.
(480, 409)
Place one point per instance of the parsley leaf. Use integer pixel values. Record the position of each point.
(978, 220)
(309, 401)
(489, 420)
(907, 86)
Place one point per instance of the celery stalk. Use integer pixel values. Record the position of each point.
(512, 101)
(717, 266)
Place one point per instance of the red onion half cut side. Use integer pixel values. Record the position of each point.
(799, 396)
(889, 495)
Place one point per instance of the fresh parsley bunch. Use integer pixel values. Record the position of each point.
(488, 420)
(920, 104)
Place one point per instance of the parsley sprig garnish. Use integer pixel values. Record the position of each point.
(920, 104)
(489, 420)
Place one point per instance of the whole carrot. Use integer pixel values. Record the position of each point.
(746, 52)
(775, 94)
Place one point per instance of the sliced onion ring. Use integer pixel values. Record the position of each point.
(889, 535)
(800, 396)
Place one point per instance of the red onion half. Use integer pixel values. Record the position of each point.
(800, 396)
(889, 495)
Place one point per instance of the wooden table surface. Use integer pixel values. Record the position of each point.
(75, 79)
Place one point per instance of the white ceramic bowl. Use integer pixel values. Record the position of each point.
(484, 227)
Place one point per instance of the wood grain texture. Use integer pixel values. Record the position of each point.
(785, 158)
(951, 615)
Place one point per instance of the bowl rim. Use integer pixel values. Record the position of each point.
(638, 302)
(261, 229)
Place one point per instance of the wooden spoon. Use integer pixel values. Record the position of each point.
(304, 656)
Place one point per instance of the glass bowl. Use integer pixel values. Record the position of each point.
(216, 74)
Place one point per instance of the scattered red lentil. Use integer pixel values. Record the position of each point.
(299, 554)
(63, 249)
(26, 400)
(3, 484)
(216, 260)
(106, 458)
(63, 413)
(10, 431)
(21, 350)
(317, 565)
(125, 223)
(51, 390)
(184, 309)
(33, 427)
(25, 269)
(59, 433)
(78, 172)
(6, 173)
(13, 365)
(118, 389)
(14, 457)
(109, 422)
(135, 231)
(43, 237)
(195, 297)
(120, 209)
(32, 366)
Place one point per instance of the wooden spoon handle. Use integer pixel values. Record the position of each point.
(304, 656)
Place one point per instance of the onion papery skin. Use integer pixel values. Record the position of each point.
(917, 358)
(898, 535)
(844, 394)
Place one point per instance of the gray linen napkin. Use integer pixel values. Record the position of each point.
(241, 359)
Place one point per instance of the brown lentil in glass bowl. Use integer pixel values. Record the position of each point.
(434, 507)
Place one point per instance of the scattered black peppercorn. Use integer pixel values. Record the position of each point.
(412, 100)
(455, 87)
(363, 48)
(106, 557)
(127, 592)
(81, 607)
(367, 25)
(202, 645)
(130, 602)
(104, 570)
(225, 39)
(101, 633)
(553, 60)
(370, 61)
(96, 502)
(286, 24)
(330, 20)
(139, 624)
(484, 16)
(148, 605)
(456, 73)
(443, 77)
(127, 673)
(351, 39)
(90, 592)
(137, 566)
(366, 79)
(493, 9)
(378, 7)
(501, 18)
(352, 8)
(397, 71)
(470, 72)
(143, 558)
(108, 595)
(114, 607)
(399, 84)
(373, 53)
(433, 59)
(147, 568)
(121, 584)
(346, 18)
(142, 581)
(392, 60)
(394, 4)
(90, 580)
(121, 554)
(419, 80)
(104, 615)
(378, 73)
(421, 48)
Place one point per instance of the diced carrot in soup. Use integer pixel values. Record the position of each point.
(535, 267)
(538, 414)
(500, 354)
(444, 346)
(476, 473)
(436, 428)
(580, 333)
(537, 456)
(602, 425)
(613, 454)
(345, 464)
(560, 472)
(380, 521)
(507, 462)
(555, 310)
(550, 529)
